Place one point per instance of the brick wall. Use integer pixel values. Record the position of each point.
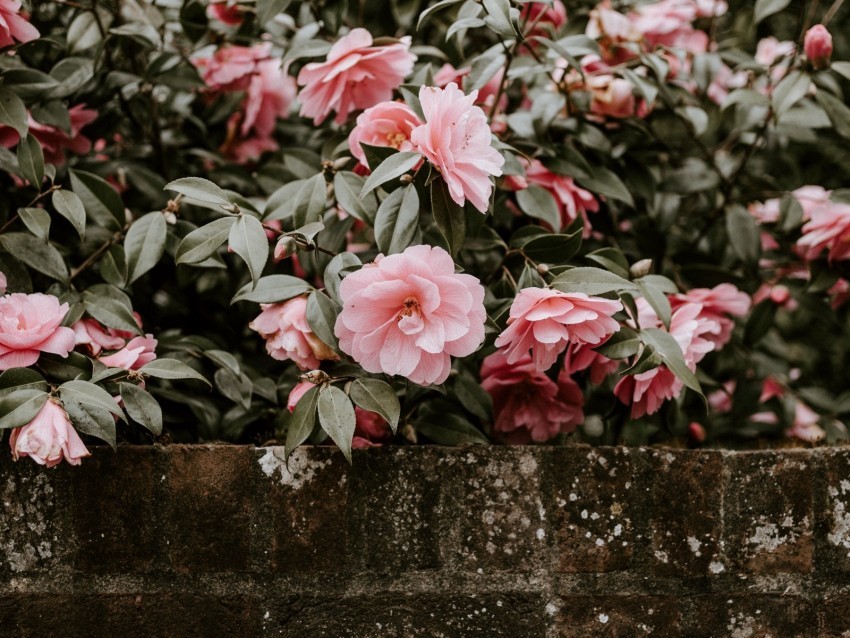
(513, 542)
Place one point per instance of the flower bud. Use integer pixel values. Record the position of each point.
(818, 46)
(286, 247)
(696, 432)
(640, 268)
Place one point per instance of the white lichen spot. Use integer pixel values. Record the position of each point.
(768, 537)
(716, 567)
(301, 471)
(618, 529)
(551, 609)
(573, 496)
(541, 534)
(603, 618)
(584, 513)
(694, 544)
(662, 556)
(839, 535)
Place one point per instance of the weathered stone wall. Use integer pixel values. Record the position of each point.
(514, 542)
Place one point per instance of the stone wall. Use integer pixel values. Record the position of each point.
(485, 542)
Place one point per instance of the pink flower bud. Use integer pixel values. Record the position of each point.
(818, 46)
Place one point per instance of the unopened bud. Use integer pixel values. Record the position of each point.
(818, 46)
(409, 433)
(696, 432)
(170, 218)
(543, 269)
(315, 376)
(640, 268)
(340, 163)
(406, 178)
(286, 247)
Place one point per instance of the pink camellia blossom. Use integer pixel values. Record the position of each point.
(48, 438)
(97, 337)
(3, 283)
(486, 94)
(356, 75)
(386, 124)
(696, 432)
(719, 304)
(668, 24)
(543, 18)
(30, 325)
(55, 141)
(138, 352)
(828, 229)
(817, 44)
(769, 50)
(647, 391)
(231, 68)
(270, 93)
(228, 12)
(611, 96)
(13, 26)
(301, 388)
(805, 425)
(288, 335)
(371, 428)
(527, 404)
(581, 356)
(614, 31)
(456, 139)
(771, 388)
(544, 321)
(409, 313)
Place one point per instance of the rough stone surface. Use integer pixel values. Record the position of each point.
(412, 542)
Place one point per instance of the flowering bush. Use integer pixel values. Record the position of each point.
(453, 222)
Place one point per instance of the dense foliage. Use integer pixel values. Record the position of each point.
(454, 222)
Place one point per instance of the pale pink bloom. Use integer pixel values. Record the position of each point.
(573, 201)
(138, 352)
(839, 293)
(527, 404)
(545, 17)
(55, 141)
(647, 391)
(371, 427)
(13, 26)
(486, 94)
(771, 388)
(710, 8)
(611, 96)
(810, 197)
(30, 325)
(409, 313)
(778, 294)
(769, 50)
(231, 68)
(3, 283)
(356, 75)
(96, 337)
(456, 140)
(579, 357)
(386, 124)
(228, 12)
(48, 438)
(668, 24)
(723, 82)
(719, 304)
(297, 392)
(827, 229)
(612, 29)
(805, 426)
(720, 401)
(544, 321)
(817, 45)
(246, 149)
(288, 335)
(765, 212)
(270, 94)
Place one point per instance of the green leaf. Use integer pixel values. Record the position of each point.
(272, 289)
(171, 369)
(20, 406)
(110, 312)
(235, 386)
(101, 201)
(535, 201)
(473, 397)
(397, 220)
(765, 8)
(311, 201)
(336, 415)
(759, 322)
(144, 244)
(200, 189)
(267, 10)
(657, 299)
(377, 396)
(790, 90)
(591, 281)
(553, 249)
(620, 345)
(31, 160)
(37, 221)
(91, 420)
(347, 188)
(322, 312)
(70, 206)
(394, 166)
(606, 182)
(142, 407)
(13, 112)
(744, 234)
(671, 353)
(499, 17)
(332, 277)
(89, 394)
(451, 430)
(303, 420)
(450, 217)
(204, 241)
(36, 254)
(248, 240)
(610, 259)
(842, 68)
(21, 378)
(837, 111)
(433, 9)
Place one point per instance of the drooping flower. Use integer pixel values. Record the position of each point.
(769, 50)
(544, 321)
(13, 26)
(30, 325)
(817, 45)
(227, 12)
(409, 313)
(719, 304)
(386, 124)
(355, 75)
(48, 438)
(527, 404)
(97, 337)
(288, 335)
(137, 353)
(828, 229)
(456, 139)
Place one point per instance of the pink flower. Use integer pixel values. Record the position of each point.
(456, 140)
(13, 26)
(544, 321)
(486, 94)
(370, 426)
(543, 17)
(48, 438)
(647, 391)
(581, 356)
(270, 94)
(528, 405)
(720, 401)
(138, 352)
(611, 96)
(297, 392)
(771, 388)
(3, 283)
(356, 75)
(827, 229)
(817, 45)
(288, 335)
(719, 304)
(668, 24)
(409, 313)
(696, 432)
(54, 141)
(232, 67)
(805, 426)
(96, 337)
(386, 124)
(227, 12)
(613, 30)
(30, 325)
(769, 50)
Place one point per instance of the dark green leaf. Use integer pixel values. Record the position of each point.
(591, 281)
(204, 241)
(451, 430)
(394, 166)
(450, 217)
(19, 407)
(101, 202)
(144, 244)
(13, 112)
(272, 289)
(321, 316)
(37, 221)
(200, 189)
(303, 420)
(171, 369)
(397, 220)
(142, 407)
(248, 240)
(70, 206)
(836, 110)
(535, 201)
(336, 414)
(347, 188)
(744, 234)
(377, 396)
(36, 254)
(765, 8)
(31, 160)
